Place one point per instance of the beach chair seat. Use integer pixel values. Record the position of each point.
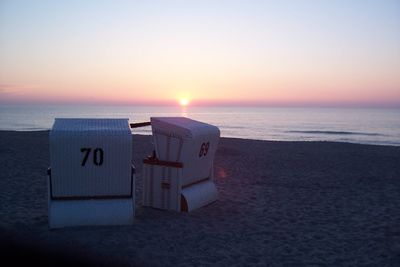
(179, 174)
(92, 178)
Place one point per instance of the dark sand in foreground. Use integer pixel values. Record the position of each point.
(280, 203)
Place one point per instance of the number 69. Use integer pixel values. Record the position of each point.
(204, 149)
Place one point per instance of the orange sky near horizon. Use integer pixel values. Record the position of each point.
(286, 52)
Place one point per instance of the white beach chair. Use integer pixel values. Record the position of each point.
(179, 175)
(91, 179)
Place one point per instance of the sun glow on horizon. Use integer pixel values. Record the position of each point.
(184, 102)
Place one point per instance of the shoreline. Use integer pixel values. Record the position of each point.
(280, 203)
(244, 139)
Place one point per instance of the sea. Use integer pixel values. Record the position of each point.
(377, 126)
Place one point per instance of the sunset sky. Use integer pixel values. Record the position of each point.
(209, 52)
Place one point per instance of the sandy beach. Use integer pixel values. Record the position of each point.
(280, 204)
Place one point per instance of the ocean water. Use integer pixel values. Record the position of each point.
(357, 125)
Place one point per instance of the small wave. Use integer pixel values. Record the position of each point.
(29, 129)
(233, 127)
(335, 133)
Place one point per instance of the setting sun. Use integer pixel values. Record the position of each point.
(184, 101)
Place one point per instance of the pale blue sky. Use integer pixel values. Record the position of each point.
(271, 51)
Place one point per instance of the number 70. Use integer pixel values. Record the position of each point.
(98, 155)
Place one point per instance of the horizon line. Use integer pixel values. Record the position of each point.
(208, 103)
